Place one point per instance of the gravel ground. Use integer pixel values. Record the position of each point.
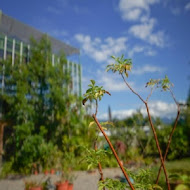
(84, 180)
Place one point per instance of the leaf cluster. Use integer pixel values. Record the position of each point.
(94, 157)
(94, 92)
(121, 65)
(164, 83)
(142, 180)
(111, 184)
(103, 124)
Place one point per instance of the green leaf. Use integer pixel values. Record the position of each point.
(155, 186)
(93, 82)
(107, 123)
(92, 123)
(89, 166)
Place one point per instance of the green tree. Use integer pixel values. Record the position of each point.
(38, 105)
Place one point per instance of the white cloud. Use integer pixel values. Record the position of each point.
(150, 52)
(119, 114)
(135, 49)
(111, 82)
(134, 10)
(138, 49)
(147, 69)
(101, 50)
(157, 109)
(144, 31)
(187, 7)
(161, 109)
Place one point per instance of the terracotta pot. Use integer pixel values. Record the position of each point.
(70, 186)
(62, 186)
(35, 188)
(35, 172)
(46, 172)
(52, 171)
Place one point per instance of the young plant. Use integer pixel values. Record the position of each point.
(96, 93)
(165, 85)
(123, 66)
(112, 184)
(143, 180)
(93, 157)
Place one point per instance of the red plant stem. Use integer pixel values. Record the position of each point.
(99, 165)
(170, 137)
(153, 130)
(95, 147)
(158, 146)
(114, 152)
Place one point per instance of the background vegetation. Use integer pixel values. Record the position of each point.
(47, 127)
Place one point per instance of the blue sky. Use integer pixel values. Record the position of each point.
(154, 33)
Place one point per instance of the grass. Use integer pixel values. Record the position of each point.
(179, 167)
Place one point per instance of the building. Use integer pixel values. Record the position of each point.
(15, 40)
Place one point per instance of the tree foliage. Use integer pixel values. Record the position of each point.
(37, 106)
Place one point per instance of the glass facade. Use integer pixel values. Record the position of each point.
(13, 49)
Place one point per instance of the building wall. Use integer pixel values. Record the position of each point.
(10, 47)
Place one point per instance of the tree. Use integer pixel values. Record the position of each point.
(36, 101)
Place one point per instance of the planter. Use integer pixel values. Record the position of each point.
(52, 171)
(35, 188)
(35, 172)
(70, 186)
(46, 172)
(62, 186)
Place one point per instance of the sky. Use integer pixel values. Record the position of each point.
(155, 34)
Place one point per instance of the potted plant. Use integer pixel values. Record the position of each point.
(33, 185)
(71, 178)
(62, 184)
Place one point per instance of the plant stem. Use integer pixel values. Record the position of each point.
(171, 134)
(114, 152)
(99, 164)
(96, 108)
(158, 146)
(153, 130)
(95, 147)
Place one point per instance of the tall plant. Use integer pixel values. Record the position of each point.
(96, 93)
(123, 66)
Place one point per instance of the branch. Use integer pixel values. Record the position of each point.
(171, 134)
(99, 164)
(114, 152)
(96, 108)
(153, 130)
(158, 146)
(132, 89)
(149, 95)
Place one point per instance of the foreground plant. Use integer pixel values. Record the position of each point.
(166, 85)
(143, 180)
(123, 66)
(96, 93)
(112, 184)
